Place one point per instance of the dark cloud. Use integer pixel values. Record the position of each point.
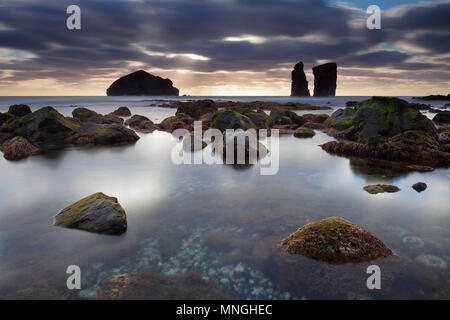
(113, 33)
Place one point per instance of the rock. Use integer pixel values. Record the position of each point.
(259, 118)
(151, 286)
(444, 135)
(4, 117)
(5, 137)
(420, 186)
(86, 115)
(304, 133)
(196, 109)
(341, 119)
(442, 117)
(314, 125)
(141, 83)
(135, 120)
(180, 121)
(19, 110)
(284, 117)
(431, 261)
(102, 134)
(18, 148)
(413, 242)
(325, 79)
(111, 119)
(432, 97)
(352, 103)
(122, 112)
(336, 241)
(240, 140)
(227, 119)
(381, 188)
(299, 87)
(316, 118)
(141, 124)
(97, 213)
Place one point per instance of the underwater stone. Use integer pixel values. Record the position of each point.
(432, 261)
(413, 242)
(381, 188)
(420, 186)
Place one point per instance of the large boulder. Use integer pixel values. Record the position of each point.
(337, 241)
(442, 117)
(179, 121)
(325, 79)
(86, 115)
(102, 134)
(96, 213)
(18, 148)
(141, 124)
(196, 109)
(227, 119)
(141, 83)
(259, 118)
(4, 117)
(19, 110)
(122, 112)
(299, 87)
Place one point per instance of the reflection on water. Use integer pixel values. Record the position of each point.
(222, 223)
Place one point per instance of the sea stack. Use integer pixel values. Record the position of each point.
(299, 86)
(325, 78)
(141, 83)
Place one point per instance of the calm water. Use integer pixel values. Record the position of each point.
(221, 222)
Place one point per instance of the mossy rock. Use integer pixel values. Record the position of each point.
(315, 118)
(227, 119)
(304, 133)
(18, 148)
(122, 112)
(19, 110)
(103, 134)
(381, 188)
(259, 118)
(282, 117)
(96, 213)
(4, 117)
(179, 121)
(86, 115)
(335, 240)
(196, 109)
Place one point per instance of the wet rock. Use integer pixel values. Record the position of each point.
(436, 97)
(284, 117)
(111, 119)
(196, 109)
(180, 121)
(19, 110)
(444, 135)
(299, 87)
(420, 168)
(227, 119)
(252, 150)
(325, 79)
(86, 115)
(442, 117)
(141, 124)
(381, 188)
(304, 133)
(352, 103)
(193, 144)
(141, 83)
(96, 213)
(337, 241)
(420, 186)
(432, 261)
(18, 148)
(122, 112)
(259, 118)
(4, 117)
(102, 134)
(315, 118)
(150, 286)
(5, 137)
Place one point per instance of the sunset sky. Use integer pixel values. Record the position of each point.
(224, 47)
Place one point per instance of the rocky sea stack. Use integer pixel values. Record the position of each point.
(141, 83)
(335, 240)
(97, 213)
(325, 80)
(299, 86)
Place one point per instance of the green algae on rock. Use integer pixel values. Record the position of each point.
(122, 112)
(336, 241)
(97, 213)
(19, 110)
(304, 133)
(227, 119)
(18, 148)
(381, 188)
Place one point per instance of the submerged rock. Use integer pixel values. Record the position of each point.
(432, 261)
(141, 83)
(381, 188)
(420, 168)
(325, 79)
(284, 117)
(96, 213)
(336, 241)
(18, 148)
(420, 186)
(299, 87)
(19, 110)
(413, 242)
(150, 286)
(304, 133)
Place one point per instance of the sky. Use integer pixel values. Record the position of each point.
(224, 47)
